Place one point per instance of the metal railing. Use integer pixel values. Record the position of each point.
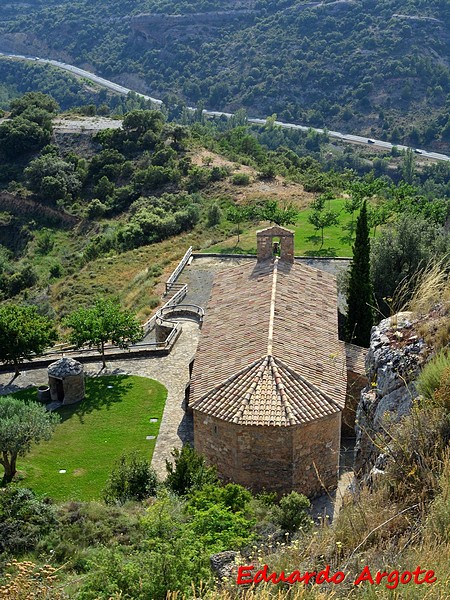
(176, 298)
(170, 283)
(181, 310)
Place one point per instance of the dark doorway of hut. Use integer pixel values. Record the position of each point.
(60, 390)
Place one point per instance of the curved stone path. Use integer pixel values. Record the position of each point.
(171, 370)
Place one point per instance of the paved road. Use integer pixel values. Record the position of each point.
(345, 137)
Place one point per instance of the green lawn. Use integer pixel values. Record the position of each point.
(335, 241)
(113, 418)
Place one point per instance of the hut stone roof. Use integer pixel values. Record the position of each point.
(269, 351)
(65, 367)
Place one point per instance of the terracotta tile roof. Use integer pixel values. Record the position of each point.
(356, 358)
(266, 392)
(295, 302)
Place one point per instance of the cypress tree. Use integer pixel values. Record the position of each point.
(360, 292)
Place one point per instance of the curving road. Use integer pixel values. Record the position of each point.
(345, 137)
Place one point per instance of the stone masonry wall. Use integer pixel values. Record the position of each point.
(259, 458)
(73, 389)
(316, 455)
(278, 459)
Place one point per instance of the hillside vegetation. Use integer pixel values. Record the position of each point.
(110, 213)
(375, 67)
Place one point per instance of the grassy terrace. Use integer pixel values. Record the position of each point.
(307, 239)
(113, 418)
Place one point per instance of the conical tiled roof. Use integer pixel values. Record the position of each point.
(267, 392)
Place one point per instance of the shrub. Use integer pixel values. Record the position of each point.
(240, 179)
(55, 270)
(132, 478)
(189, 472)
(96, 208)
(267, 171)
(24, 519)
(214, 215)
(415, 450)
(430, 377)
(292, 513)
(232, 496)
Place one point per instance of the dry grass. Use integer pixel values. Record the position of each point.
(27, 581)
(428, 287)
(137, 277)
(427, 296)
(285, 192)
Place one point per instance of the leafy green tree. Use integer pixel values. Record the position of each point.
(23, 334)
(401, 249)
(272, 212)
(140, 123)
(104, 189)
(52, 177)
(320, 218)
(19, 136)
(132, 478)
(101, 323)
(21, 426)
(360, 293)
(189, 471)
(39, 116)
(236, 214)
(408, 166)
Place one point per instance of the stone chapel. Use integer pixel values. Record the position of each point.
(271, 379)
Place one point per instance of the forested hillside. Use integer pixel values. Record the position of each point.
(379, 67)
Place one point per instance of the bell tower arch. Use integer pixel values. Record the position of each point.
(275, 241)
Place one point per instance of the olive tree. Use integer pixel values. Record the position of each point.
(21, 425)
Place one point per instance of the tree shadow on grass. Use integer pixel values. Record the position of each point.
(101, 393)
(314, 239)
(325, 252)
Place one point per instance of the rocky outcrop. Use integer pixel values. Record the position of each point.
(159, 28)
(395, 357)
(224, 563)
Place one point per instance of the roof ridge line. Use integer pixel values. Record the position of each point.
(251, 390)
(281, 390)
(230, 379)
(312, 386)
(272, 307)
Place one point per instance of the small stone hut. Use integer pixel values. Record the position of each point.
(66, 381)
(269, 382)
